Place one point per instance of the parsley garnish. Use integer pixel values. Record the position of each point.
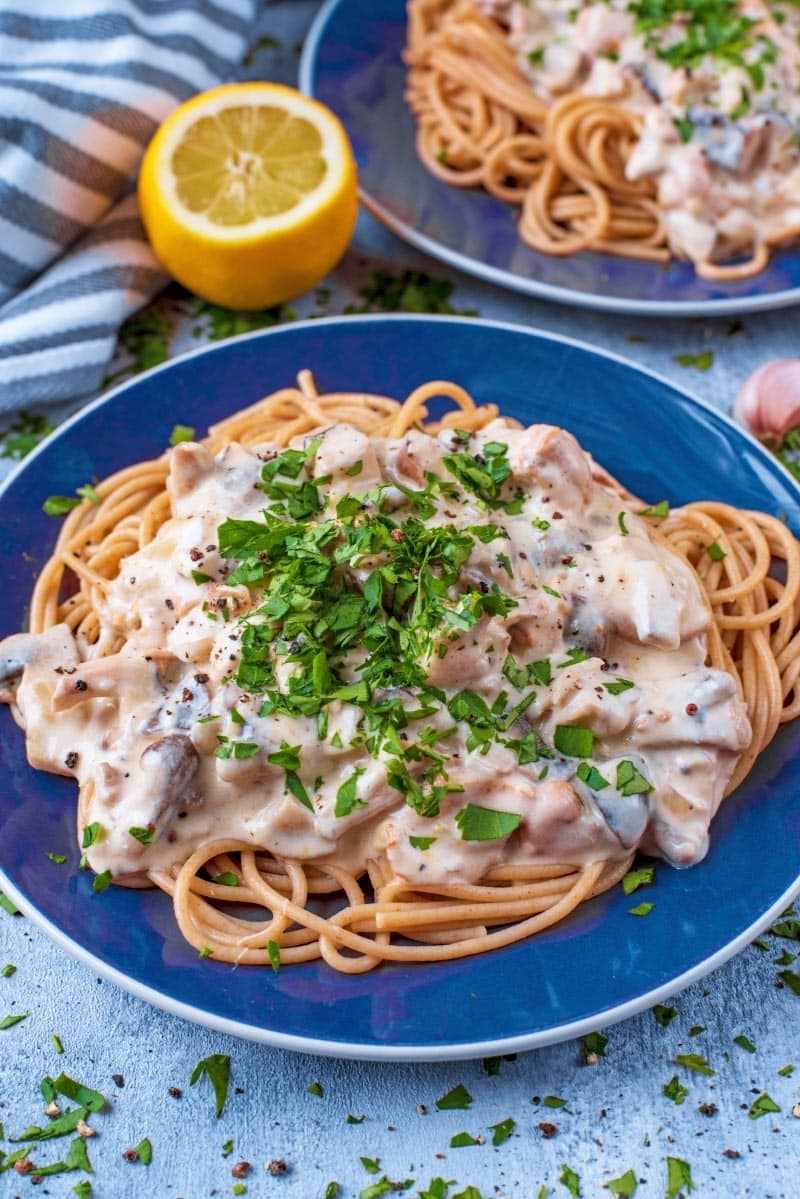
(181, 433)
(461, 1140)
(458, 1099)
(623, 1187)
(693, 1061)
(715, 552)
(274, 952)
(421, 842)
(679, 1176)
(641, 909)
(595, 1043)
(485, 824)
(346, 801)
(762, 1106)
(101, 881)
(631, 882)
(621, 522)
(664, 1015)
(591, 776)
(316, 1088)
(145, 1151)
(573, 741)
(570, 1180)
(144, 835)
(701, 362)
(10, 1021)
(217, 1069)
(744, 1043)
(630, 781)
(659, 509)
(675, 1090)
(502, 1131)
(618, 686)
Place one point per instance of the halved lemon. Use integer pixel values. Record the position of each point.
(249, 194)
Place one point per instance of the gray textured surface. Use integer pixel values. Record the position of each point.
(616, 1116)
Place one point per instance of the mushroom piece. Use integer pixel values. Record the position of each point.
(168, 767)
(54, 649)
(105, 678)
(738, 146)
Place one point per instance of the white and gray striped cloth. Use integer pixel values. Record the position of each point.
(83, 86)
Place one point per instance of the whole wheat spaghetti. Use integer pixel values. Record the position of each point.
(609, 131)
(354, 909)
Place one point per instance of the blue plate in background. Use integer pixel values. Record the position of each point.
(601, 964)
(352, 62)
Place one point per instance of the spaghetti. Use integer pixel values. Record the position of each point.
(610, 132)
(357, 913)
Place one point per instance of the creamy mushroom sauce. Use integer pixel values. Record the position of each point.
(717, 84)
(590, 597)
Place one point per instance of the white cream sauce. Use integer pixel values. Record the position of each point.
(587, 578)
(719, 136)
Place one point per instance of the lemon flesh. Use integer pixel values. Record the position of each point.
(246, 163)
(249, 194)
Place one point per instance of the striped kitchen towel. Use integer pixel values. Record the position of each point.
(83, 86)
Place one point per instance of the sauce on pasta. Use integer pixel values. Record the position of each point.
(462, 662)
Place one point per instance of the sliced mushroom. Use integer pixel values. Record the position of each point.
(54, 649)
(105, 678)
(168, 767)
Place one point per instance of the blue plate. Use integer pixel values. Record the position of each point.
(598, 966)
(352, 62)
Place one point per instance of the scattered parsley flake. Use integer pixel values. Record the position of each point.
(701, 362)
(786, 1071)
(485, 824)
(715, 552)
(621, 522)
(551, 591)
(591, 776)
(492, 1066)
(58, 858)
(10, 1021)
(457, 1099)
(144, 835)
(641, 909)
(351, 1119)
(569, 1179)
(83, 1095)
(60, 505)
(332, 1191)
(791, 979)
(595, 1042)
(8, 970)
(421, 842)
(623, 1187)
(659, 509)
(462, 1140)
(664, 1015)
(274, 953)
(679, 1176)
(217, 1068)
(675, 1090)
(8, 906)
(762, 1106)
(371, 1164)
(145, 1151)
(618, 686)
(101, 881)
(56, 1042)
(91, 834)
(744, 1043)
(181, 433)
(502, 1130)
(316, 1088)
(554, 1101)
(694, 1062)
(573, 741)
(635, 879)
(696, 1029)
(227, 879)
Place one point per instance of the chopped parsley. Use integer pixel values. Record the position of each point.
(618, 686)
(502, 1130)
(660, 509)
(573, 741)
(181, 433)
(485, 824)
(316, 1088)
(631, 882)
(10, 1021)
(762, 1106)
(457, 1099)
(715, 552)
(594, 1043)
(621, 522)
(570, 1180)
(144, 1151)
(694, 1062)
(462, 1139)
(664, 1015)
(641, 909)
(591, 776)
(744, 1043)
(623, 1187)
(675, 1090)
(630, 781)
(274, 954)
(679, 1178)
(701, 362)
(217, 1069)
